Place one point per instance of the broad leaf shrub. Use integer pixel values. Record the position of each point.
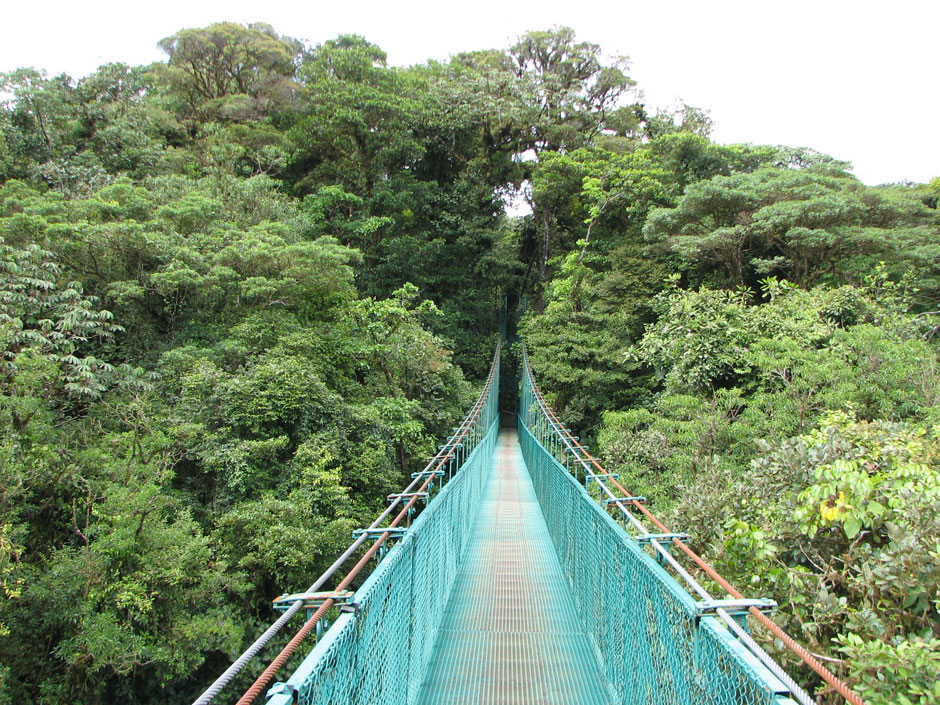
(797, 441)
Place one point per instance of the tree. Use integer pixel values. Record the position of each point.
(75, 136)
(38, 110)
(569, 93)
(359, 118)
(394, 156)
(687, 119)
(123, 119)
(39, 312)
(131, 499)
(230, 71)
(809, 225)
(547, 94)
(568, 88)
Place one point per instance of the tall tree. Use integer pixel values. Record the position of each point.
(570, 96)
(228, 70)
(567, 87)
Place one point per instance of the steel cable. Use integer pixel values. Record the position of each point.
(580, 454)
(461, 435)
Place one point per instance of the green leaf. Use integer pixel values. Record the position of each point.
(851, 526)
(876, 508)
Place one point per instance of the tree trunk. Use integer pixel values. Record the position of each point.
(546, 218)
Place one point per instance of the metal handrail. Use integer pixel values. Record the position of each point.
(625, 499)
(418, 486)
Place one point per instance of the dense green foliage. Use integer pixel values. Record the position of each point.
(245, 291)
(749, 335)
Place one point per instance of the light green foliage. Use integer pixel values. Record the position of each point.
(838, 524)
(687, 119)
(39, 116)
(905, 671)
(123, 599)
(600, 297)
(676, 441)
(833, 513)
(605, 294)
(6, 159)
(873, 486)
(278, 536)
(869, 508)
(610, 191)
(549, 92)
(74, 135)
(601, 196)
(934, 188)
(41, 315)
(180, 253)
(801, 344)
(700, 339)
(95, 537)
(339, 213)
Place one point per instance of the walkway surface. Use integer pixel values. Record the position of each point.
(510, 634)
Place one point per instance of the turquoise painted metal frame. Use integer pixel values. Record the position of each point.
(378, 649)
(651, 639)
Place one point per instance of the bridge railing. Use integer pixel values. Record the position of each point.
(379, 647)
(656, 641)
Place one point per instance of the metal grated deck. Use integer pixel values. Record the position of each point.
(510, 634)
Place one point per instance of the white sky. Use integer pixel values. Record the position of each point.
(853, 78)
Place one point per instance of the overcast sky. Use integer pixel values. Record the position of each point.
(852, 78)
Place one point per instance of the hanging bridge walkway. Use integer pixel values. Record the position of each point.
(514, 569)
(510, 632)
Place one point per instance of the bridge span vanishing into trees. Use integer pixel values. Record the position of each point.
(515, 569)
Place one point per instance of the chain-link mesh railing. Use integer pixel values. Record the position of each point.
(379, 647)
(655, 642)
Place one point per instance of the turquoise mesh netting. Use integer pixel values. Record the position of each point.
(626, 631)
(511, 634)
(378, 654)
(653, 646)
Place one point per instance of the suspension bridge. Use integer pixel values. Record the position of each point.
(514, 569)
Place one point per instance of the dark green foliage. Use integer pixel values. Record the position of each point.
(808, 225)
(148, 515)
